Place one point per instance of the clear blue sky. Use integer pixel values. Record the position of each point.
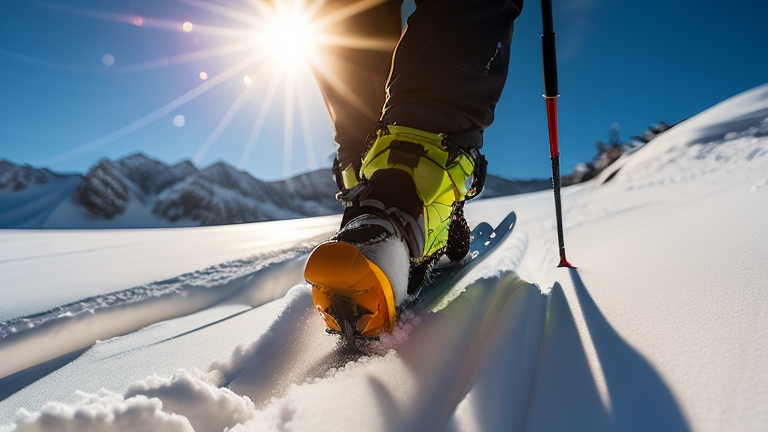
(85, 79)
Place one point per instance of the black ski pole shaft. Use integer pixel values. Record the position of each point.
(549, 66)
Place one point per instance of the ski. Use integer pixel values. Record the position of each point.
(483, 239)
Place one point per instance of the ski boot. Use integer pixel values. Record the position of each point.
(403, 211)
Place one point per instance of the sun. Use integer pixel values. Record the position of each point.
(290, 37)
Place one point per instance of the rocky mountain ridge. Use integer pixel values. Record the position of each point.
(186, 195)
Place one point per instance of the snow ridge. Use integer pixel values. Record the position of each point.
(109, 315)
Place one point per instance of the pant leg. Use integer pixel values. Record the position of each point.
(450, 65)
(352, 80)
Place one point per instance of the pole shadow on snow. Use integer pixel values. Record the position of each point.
(640, 399)
(568, 395)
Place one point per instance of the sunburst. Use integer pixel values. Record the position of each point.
(290, 37)
(282, 44)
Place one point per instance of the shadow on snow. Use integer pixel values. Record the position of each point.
(567, 396)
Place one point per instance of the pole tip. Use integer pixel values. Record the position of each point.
(564, 262)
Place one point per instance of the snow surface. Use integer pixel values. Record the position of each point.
(663, 326)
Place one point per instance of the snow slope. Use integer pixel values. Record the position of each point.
(663, 326)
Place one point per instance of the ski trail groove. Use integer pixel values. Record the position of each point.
(28, 341)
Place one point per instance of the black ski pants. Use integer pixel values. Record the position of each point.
(444, 73)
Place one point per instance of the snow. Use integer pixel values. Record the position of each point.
(663, 326)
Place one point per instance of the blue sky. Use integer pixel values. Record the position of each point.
(81, 80)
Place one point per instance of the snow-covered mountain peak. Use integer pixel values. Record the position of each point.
(18, 177)
(140, 191)
(151, 175)
(229, 177)
(724, 139)
(104, 191)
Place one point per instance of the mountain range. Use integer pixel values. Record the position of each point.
(138, 191)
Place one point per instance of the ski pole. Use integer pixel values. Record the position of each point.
(551, 94)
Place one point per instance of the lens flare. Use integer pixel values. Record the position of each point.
(203, 76)
(108, 59)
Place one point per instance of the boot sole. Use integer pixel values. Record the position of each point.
(352, 294)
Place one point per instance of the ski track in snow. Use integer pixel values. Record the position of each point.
(74, 326)
(632, 341)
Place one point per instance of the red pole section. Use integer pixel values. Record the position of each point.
(554, 148)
